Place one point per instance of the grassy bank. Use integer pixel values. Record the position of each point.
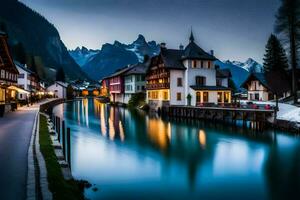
(60, 188)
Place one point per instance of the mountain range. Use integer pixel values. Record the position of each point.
(39, 39)
(100, 63)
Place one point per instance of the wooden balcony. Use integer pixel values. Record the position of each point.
(157, 86)
(158, 76)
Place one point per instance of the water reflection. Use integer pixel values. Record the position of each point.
(128, 153)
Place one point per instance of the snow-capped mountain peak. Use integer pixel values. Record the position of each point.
(83, 55)
(250, 65)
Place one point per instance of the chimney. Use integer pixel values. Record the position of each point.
(163, 45)
(181, 47)
(212, 52)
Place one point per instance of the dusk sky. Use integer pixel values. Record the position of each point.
(234, 29)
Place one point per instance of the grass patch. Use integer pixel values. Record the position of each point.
(60, 188)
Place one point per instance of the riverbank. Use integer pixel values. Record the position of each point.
(61, 189)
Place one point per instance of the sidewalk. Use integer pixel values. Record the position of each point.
(15, 134)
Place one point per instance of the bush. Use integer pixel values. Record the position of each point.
(137, 100)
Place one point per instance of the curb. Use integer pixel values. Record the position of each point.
(37, 183)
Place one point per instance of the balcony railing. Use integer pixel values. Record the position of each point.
(158, 86)
(157, 76)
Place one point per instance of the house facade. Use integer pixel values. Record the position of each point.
(259, 89)
(8, 73)
(186, 77)
(116, 85)
(134, 81)
(58, 89)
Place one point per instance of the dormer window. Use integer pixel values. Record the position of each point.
(194, 63)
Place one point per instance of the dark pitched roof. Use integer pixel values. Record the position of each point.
(23, 67)
(139, 68)
(120, 71)
(223, 73)
(193, 51)
(206, 87)
(172, 58)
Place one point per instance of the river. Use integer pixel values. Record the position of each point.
(128, 154)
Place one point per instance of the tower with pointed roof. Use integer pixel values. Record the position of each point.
(177, 73)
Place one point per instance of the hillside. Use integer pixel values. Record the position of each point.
(40, 40)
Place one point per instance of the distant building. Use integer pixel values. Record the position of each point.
(58, 89)
(186, 76)
(134, 80)
(116, 85)
(104, 89)
(8, 73)
(259, 89)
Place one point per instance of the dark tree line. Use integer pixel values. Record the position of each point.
(287, 25)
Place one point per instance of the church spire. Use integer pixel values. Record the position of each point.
(192, 36)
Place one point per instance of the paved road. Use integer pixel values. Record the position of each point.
(15, 135)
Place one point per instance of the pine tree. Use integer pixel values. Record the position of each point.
(288, 25)
(275, 58)
(60, 75)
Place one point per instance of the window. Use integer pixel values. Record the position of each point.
(205, 97)
(256, 96)
(201, 63)
(198, 97)
(200, 80)
(21, 96)
(179, 82)
(178, 96)
(220, 94)
(226, 97)
(209, 65)
(2, 74)
(219, 82)
(165, 96)
(143, 87)
(21, 76)
(194, 63)
(138, 87)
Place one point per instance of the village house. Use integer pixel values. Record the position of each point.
(134, 80)
(116, 85)
(260, 89)
(58, 89)
(27, 80)
(8, 76)
(186, 76)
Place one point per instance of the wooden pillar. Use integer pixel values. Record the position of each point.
(64, 138)
(69, 146)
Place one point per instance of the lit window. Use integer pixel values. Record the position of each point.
(178, 96)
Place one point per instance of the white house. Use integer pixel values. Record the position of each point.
(24, 80)
(186, 77)
(134, 80)
(58, 89)
(259, 89)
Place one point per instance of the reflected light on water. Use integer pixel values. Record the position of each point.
(102, 120)
(159, 133)
(86, 111)
(202, 138)
(112, 131)
(78, 112)
(122, 135)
